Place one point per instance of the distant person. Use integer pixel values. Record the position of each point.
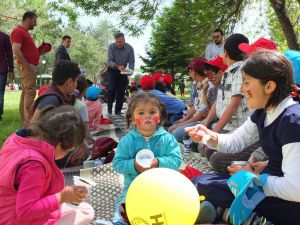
(28, 56)
(104, 76)
(64, 82)
(94, 107)
(62, 50)
(120, 54)
(181, 88)
(6, 66)
(217, 46)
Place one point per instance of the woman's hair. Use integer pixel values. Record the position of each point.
(160, 86)
(82, 84)
(146, 98)
(59, 125)
(208, 67)
(271, 66)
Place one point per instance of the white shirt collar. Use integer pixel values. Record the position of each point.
(274, 113)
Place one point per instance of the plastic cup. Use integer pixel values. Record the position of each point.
(187, 145)
(81, 181)
(144, 158)
(239, 163)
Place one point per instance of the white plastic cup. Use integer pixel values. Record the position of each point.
(144, 158)
(187, 145)
(81, 181)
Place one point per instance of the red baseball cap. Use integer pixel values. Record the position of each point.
(261, 43)
(197, 64)
(218, 62)
(168, 79)
(45, 46)
(147, 82)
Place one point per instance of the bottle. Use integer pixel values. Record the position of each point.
(93, 163)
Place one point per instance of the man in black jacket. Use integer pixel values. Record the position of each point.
(62, 50)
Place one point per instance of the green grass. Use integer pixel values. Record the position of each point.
(11, 118)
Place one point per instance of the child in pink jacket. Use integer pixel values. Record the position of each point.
(94, 107)
(32, 190)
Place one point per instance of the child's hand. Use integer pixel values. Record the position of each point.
(154, 163)
(72, 194)
(139, 168)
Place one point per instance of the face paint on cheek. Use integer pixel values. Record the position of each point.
(138, 122)
(156, 119)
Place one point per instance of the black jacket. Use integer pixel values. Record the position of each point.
(61, 54)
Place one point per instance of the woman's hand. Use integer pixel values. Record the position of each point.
(232, 169)
(199, 132)
(72, 194)
(258, 167)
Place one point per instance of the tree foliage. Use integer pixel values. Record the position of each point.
(133, 14)
(89, 44)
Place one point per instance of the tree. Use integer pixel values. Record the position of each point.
(134, 14)
(167, 53)
(88, 43)
(284, 19)
(229, 12)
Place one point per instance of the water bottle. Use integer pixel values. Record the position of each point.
(93, 163)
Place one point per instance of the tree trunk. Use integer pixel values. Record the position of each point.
(285, 22)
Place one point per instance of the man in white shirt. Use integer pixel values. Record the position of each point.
(217, 46)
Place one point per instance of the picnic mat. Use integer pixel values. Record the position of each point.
(109, 183)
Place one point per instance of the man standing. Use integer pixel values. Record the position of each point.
(217, 47)
(62, 50)
(119, 55)
(28, 56)
(6, 66)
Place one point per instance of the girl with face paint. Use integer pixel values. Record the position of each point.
(146, 113)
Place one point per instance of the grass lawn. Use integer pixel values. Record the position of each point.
(11, 119)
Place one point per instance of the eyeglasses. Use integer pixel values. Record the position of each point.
(223, 85)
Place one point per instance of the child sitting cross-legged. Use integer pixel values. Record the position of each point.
(147, 114)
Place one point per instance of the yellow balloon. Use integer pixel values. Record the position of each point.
(162, 196)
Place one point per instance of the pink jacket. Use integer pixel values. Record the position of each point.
(95, 113)
(29, 181)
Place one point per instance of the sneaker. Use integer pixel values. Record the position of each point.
(207, 213)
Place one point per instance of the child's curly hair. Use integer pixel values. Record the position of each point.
(59, 125)
(146, 98)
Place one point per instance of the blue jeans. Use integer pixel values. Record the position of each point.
(3, 79)
(180, 133)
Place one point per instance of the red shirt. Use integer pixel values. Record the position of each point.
(21, 36)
